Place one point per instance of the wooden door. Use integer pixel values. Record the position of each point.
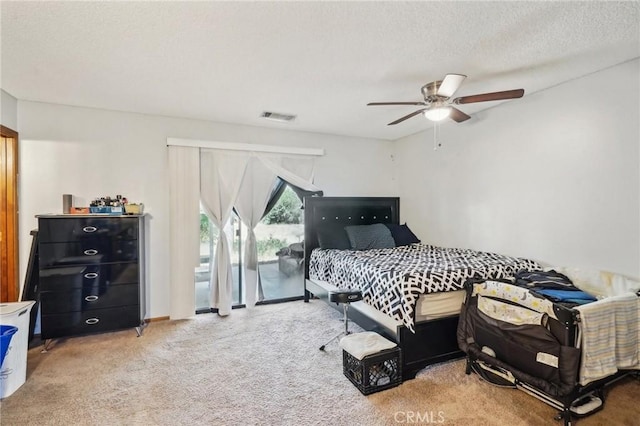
(9, 286)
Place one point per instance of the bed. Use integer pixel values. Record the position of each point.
(414, 303)
(551, 339)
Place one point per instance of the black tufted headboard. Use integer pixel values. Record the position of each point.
(333, 212)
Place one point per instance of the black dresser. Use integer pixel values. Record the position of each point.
(91, 271)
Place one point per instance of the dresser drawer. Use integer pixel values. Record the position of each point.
(78, 229)
(88, 298)
(87, 252)
(96, 276)
(98, 320)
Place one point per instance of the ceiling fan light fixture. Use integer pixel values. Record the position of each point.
(438, 113)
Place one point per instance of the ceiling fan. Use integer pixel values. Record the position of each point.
(437, 104)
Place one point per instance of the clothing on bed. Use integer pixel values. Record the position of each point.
(572, 296)
(554, 286)
(392, 279)
(543, 279)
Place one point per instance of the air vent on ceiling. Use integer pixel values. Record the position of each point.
(275, 116)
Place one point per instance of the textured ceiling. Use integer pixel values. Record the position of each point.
(323, 61)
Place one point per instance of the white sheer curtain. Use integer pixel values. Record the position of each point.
(295, 169)
(221, 174)
(184, 232)
(252, 200)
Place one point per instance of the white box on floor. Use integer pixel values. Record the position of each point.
(14, 367)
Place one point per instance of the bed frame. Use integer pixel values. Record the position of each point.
(434, 340)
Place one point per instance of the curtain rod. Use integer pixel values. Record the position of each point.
(195, 143)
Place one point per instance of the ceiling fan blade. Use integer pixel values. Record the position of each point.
(458, 116)
(494, 96)
(401, 119)
(395, 103)
(450, 84)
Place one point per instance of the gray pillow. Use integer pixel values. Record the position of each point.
(364, 237)
(333, 238)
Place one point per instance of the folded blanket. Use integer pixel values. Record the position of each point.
(610, 331)
(366, 343)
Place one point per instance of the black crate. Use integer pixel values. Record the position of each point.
(374, 372)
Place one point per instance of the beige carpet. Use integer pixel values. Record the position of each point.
(258, 367)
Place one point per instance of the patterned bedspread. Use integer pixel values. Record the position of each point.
(392, 279)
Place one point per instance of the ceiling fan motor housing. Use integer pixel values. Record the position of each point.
(429, 91)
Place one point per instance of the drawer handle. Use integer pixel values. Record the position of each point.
(91, 275)
(91, 298)
(89, 229)
(92, 321)
(91, 252)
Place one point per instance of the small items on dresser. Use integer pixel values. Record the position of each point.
(107, 205)
(371, 362)
(118, 205)
(130, 208)
(67, 202)
(79, 210)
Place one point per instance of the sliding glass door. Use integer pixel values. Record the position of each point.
(279, 238)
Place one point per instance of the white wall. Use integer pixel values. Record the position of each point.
(90, 153)
(9, 110)
(552, 176)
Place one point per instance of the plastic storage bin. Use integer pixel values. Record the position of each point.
(6, 333)
(375, 372)
(371, 362)
(107, 210)
(13, 372)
